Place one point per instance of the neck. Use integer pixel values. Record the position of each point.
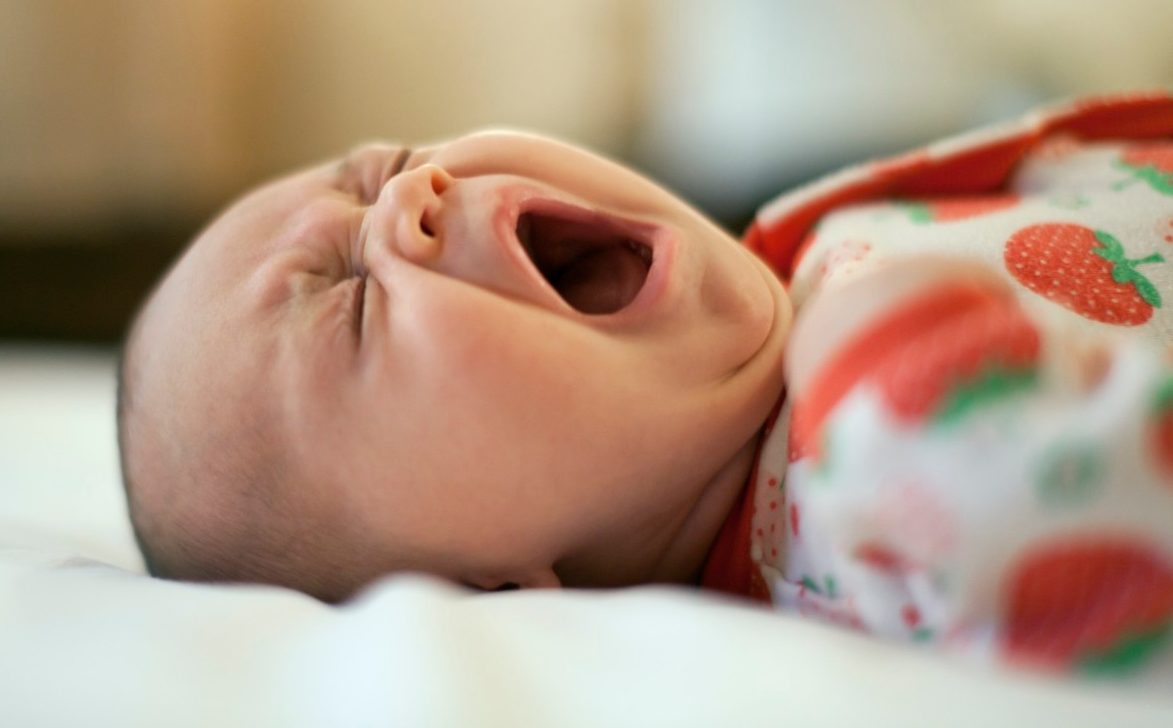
(685, 554)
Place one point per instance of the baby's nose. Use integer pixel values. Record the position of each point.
(414, 200)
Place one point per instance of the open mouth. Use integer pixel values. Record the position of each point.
(596, 264)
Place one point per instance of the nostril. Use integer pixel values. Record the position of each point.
(418, 233)
(439, 178)
(415, 202)
(428, 221)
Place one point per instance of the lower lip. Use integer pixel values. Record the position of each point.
(662, 242)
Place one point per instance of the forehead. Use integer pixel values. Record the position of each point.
(204, 291)
(257, 224)
(244, 258)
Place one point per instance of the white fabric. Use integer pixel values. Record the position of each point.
(84, 643)
(964, 522)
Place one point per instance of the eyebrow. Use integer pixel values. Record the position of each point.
(400, 160)
(344, 176)
(344, 171)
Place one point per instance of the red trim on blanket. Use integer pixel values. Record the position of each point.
(966, 170)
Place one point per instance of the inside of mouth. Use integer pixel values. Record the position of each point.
(593, 264)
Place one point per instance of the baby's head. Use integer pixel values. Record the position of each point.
(500, 360)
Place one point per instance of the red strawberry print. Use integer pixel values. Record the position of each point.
(1161, 438)
(1100, 603)
(1151, 163)
(843, 257)
(977, 358)
(911, 615)
(935, 359)
(950, 209)
(1084, 270)
(882, 558)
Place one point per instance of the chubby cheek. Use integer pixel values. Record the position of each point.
(549, 426)
(507, 383)
(739, 309)
(732, 292)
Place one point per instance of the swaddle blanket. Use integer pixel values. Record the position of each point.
(990, 474)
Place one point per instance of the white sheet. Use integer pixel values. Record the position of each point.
(85, 643)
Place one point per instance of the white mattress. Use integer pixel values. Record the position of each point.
(85, 639)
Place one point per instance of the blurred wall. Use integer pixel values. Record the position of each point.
(748, 97)
(116, 107)
(423, 70)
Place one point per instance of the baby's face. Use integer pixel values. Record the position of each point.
(497, 359)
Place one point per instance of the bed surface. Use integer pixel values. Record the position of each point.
(59, 481)
(85, 639)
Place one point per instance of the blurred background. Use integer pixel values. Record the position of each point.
(124, 124)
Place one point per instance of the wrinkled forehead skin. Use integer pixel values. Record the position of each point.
(198, 343)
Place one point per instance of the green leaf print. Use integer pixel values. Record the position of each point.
(1128, 654)
(918, 213)
(994, 384)
(1124, 269)
(1110, 248)
(1160, 181)
(922, 634)
(1163, 399)
(1070, 473)
(830, 590)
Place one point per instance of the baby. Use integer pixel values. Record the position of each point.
(512, 363)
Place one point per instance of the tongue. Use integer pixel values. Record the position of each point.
(603, 280)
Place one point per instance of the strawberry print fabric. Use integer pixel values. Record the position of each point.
(991, 475)
(1077, 227)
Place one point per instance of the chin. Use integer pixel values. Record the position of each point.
(760, 373)
(763, 313)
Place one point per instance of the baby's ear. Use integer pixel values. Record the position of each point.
(544, 578)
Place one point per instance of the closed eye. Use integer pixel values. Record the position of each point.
(358, 302)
